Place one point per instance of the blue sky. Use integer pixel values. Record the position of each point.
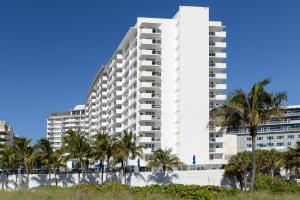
(50, 51)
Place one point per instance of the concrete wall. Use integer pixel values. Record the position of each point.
(200, 177)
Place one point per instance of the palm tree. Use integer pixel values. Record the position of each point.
(268, 161)
(164, 159)
(248, 110)
(103, 150)
(44, 153)
(56, 162)
(7, 160)
(127, 146)
(76, 147)
(238, 168)
(291, 159)
(25, 154)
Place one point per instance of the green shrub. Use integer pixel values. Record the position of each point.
(188, 192)
(272, 184)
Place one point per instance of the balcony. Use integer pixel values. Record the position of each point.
(150, 31)
(151, 42)
(217, 55)
(216, 140)
(217, 76)
(217, 97)
(146, 84)
(217, 66)
(150, 63)
(150, 84)
(149, 139)
(217, 34)
(148, 52)
(150, 95)
(218, 86)
(217, 45)
(217, 150)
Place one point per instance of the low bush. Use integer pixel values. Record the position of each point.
(275, 185)
(188, 192)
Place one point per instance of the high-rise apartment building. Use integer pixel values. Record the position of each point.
(276, 134)
(7, 135)
(60, 123)
(161, 82)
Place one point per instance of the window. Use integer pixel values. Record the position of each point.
(279, 144)
(290, 136)
(270, 144)
(249, 138)
(289, 143)
(260, 138)
(260, 145)
(280, 137)
(249, 145)
(270, 137)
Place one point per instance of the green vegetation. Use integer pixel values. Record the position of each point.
(269, 164)
(248, 110)
(154, 192)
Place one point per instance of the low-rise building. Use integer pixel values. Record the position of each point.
(276, 134)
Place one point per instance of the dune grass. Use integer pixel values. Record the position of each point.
(49, 193)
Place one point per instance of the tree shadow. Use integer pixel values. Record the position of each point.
(137, 175)
(92, 178)
(41, 180)
(66, 179)
(160, 178)
(113, 177)
(229, 182)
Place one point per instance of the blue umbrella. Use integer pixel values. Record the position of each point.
(194, 159)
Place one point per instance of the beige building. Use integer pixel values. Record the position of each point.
(6, 134)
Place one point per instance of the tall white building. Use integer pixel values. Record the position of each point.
(161, 82)
(59, 123)
(7, 135)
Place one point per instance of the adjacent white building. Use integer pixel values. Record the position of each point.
(60, 123)
(161, 82)
(7, 135)
(275, 134)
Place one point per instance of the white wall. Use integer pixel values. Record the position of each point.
(200, 177)
(194, 84)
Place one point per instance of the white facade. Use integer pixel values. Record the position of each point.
(7, 135)
(161, 82)
(60, 123)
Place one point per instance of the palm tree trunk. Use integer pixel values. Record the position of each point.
(27, 175)
(102, 171)
(16, 180)
(55, 177)
(253, 134)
